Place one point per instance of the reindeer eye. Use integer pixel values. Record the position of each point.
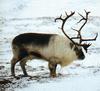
(71, 45)
(76, 49)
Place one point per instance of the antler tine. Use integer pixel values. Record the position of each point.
(64, 19)
(87, 12)
(85, 46)
(66, 13)
(79, 36)
(96, 36)
(69, 14)
(74, 29)
(83, 18)
(59, 18)
(91, 38)
(63, 22)
(72, 13)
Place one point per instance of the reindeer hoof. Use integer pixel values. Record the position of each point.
(53, 75)
(25, 76)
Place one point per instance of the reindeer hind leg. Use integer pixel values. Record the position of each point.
(22, 64)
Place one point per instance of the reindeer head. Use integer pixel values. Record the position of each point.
(79, 36)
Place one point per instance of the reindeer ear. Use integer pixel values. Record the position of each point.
(85, 49)
(85, 46)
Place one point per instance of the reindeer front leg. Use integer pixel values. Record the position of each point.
(52, 68)
(13, 63)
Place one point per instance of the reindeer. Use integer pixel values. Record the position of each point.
(56, 49)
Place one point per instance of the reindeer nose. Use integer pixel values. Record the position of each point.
(83, 57)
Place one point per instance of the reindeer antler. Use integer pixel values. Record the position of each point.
(63, 23)
(79, 36)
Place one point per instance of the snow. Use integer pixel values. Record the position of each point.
(19, 16)
(71, 84)
(37, 8)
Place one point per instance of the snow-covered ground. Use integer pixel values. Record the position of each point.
(79, 76)
(17, 18)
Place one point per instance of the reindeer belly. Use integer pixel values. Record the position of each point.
(52, 53)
